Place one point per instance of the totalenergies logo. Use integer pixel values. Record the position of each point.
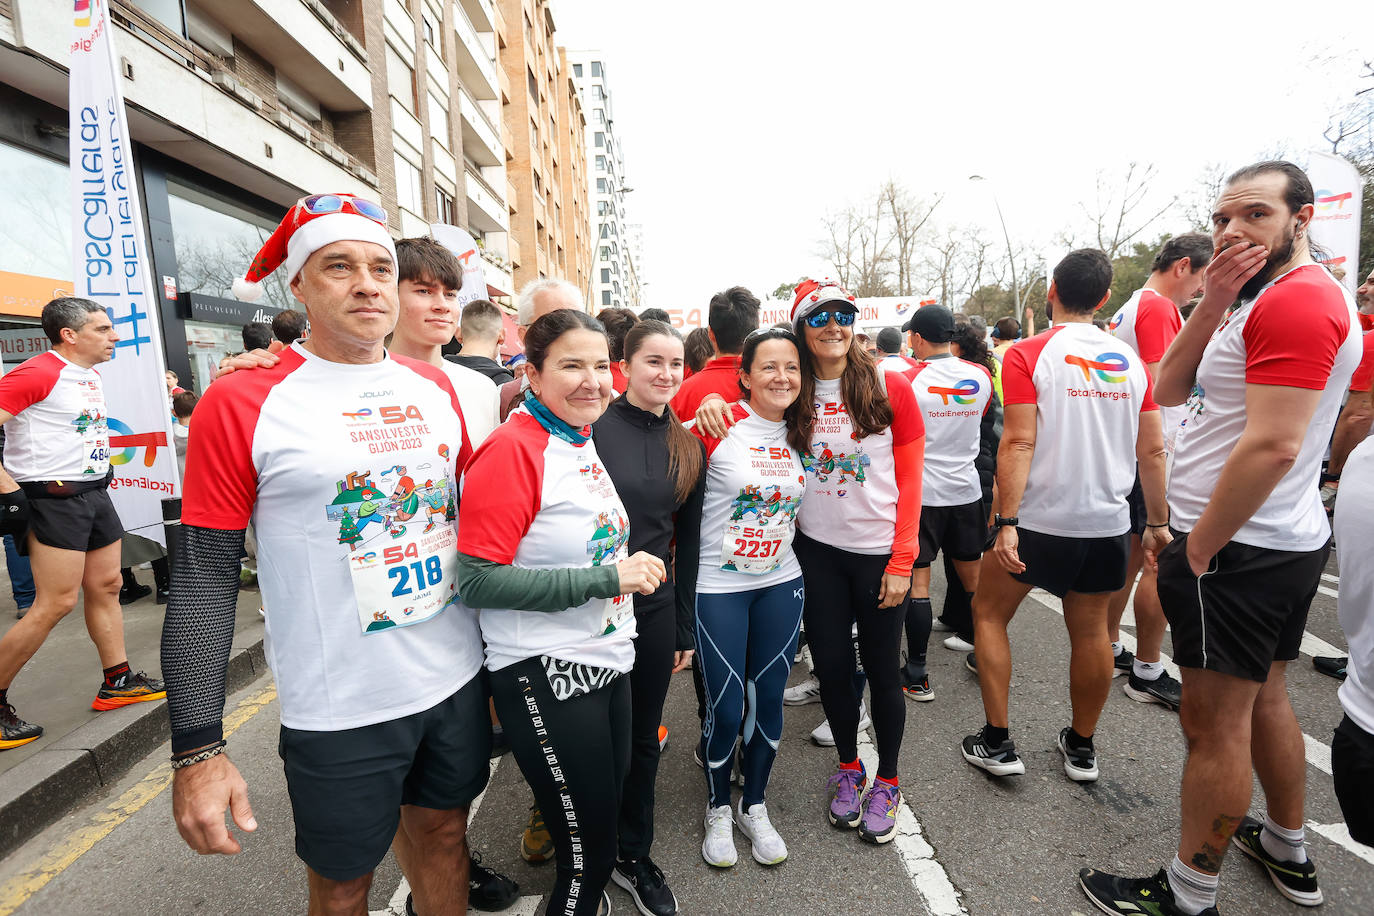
(1329, 200)
(1110, 367)
(82, 10)
(122, 437)
(1116, 321)
(965, 392)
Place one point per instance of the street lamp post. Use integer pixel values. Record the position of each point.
(1011, 255)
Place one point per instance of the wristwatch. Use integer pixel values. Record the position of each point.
(1000, 522)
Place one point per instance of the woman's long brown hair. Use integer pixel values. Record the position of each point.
(870, 412)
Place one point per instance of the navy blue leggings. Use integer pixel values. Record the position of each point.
(745, 641)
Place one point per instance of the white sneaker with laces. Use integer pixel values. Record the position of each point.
(808, 691)
(824, 737)
(718, 848)
(768, 847)
(958, 643)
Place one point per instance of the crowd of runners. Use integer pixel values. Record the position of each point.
(446, 563)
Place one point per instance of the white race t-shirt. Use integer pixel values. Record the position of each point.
(59, 429)
(536, 501)
(1300, 331)
(953, 394)
(478, 396)
(1149, 322)
(349, 476)
(754, 486)
(1089, 390)
(1354, 523)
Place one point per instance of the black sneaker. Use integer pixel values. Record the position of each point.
(644, 882)
(500, 746)
(1331, 665)
(14, 731)
(999, 761)
(1123, 663)
(1163, 690)
(162, 595)
(130, 595)
(1295, 880)
(1133, 896)
(1080, 764)
(971, 663)
(489, 891)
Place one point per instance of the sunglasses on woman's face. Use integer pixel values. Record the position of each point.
(843, 317)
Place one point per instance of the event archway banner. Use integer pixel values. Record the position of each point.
(111, 268)
(1336, 220)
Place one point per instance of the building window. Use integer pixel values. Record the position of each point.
(444, 208)
(427, 28)
(600, 116)
(409, 188)
(532, 84)
(538, 185)
(602, 207)
(605, 275)
(600, 139)
(400, 80)
(577, 70)
(601, 186)
(39, 246)
(596, 68)
(439, 125)
(605, 253)
(605, 297)
(601, 163)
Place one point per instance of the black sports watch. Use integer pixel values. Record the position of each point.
(1000, 522)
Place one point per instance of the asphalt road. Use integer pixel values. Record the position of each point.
(975, 844)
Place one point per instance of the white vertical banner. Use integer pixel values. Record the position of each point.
(112, 268)
(465, 250)
(1336, 220)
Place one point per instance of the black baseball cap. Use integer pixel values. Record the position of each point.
(933, 322)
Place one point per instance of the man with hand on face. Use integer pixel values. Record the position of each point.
(1263, 385)
(334, 454)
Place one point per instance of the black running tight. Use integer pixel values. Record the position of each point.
(842, 588)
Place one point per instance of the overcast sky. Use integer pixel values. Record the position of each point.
(744, 122)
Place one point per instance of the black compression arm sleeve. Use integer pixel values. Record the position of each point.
(198, 631)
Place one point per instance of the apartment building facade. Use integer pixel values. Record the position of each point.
(237, 108)
(614, 280)
(550, 224)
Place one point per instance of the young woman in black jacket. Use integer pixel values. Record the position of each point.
(655, 464)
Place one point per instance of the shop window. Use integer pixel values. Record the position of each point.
(216, 241)
(37, 249)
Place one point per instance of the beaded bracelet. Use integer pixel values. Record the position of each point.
(200, 756)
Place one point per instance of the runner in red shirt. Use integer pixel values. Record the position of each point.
(733, 314)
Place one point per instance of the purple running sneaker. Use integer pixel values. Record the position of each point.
(879, 823)
(845, 788)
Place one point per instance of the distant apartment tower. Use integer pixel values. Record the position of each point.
(550, 221)
(613, 271)
(634, 241)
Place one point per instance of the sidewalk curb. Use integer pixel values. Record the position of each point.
(49, 785)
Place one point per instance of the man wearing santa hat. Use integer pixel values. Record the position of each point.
(375, 657)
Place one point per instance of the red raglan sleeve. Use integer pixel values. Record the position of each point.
(908, 455)
(28, 383)
(1156, 326)
(1288, 342)
(1018, 366)
(1363, 379)
(221, 483)
(502, 491)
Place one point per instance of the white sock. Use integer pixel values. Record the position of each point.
(1193, 890)
(1117, 649)
(1281, 843)
(1147, 671)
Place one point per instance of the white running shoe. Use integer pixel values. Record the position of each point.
(718, 848)
(939, 626)
(958, 643)
(768, 847)
(824, 737)
(808, 691)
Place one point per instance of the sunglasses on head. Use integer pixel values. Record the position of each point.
(335, 203)
(843, 317)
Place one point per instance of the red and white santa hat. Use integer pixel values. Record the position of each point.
(811, 295)
(308, 226)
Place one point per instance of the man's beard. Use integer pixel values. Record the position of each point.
(1277, 259)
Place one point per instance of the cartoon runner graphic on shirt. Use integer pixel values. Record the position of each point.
(823, 463)
(609, 535)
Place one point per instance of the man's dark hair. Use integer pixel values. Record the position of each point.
(618, 323)
(288, 326)
(257, 335)
(183, 402)
(698, 349)
(423, 259)
(1195, 246)
(1007, 328)
(67, 312)
(733, 314)
(890, 340)
(1082, 279)
(1298, 193)
(655, 315)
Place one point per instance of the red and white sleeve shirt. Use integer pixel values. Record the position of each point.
(953, 395)
(1149, 322)
(1363, 379)
(1089, 390)
(851, 485)
(1300, 331)
(59, 429)
(539, 502)
(349, 476)
(754, 487)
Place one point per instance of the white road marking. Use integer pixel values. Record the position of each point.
(1330, 592)
(1340, 834)
(1330, 578)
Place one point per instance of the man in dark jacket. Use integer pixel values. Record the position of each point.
(481, 332)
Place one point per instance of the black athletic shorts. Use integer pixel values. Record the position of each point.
(1352, 768)
(347, 787)
(1062, 564)
(1245, 612)
(960, 531)
(85, 522)
(1136, 500)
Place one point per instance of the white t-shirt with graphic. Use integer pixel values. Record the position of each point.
(348, 474)
(953, 394)
(1300, 331)
(536, 501)
(1089, 389)
(754, 487)
(59, 429)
